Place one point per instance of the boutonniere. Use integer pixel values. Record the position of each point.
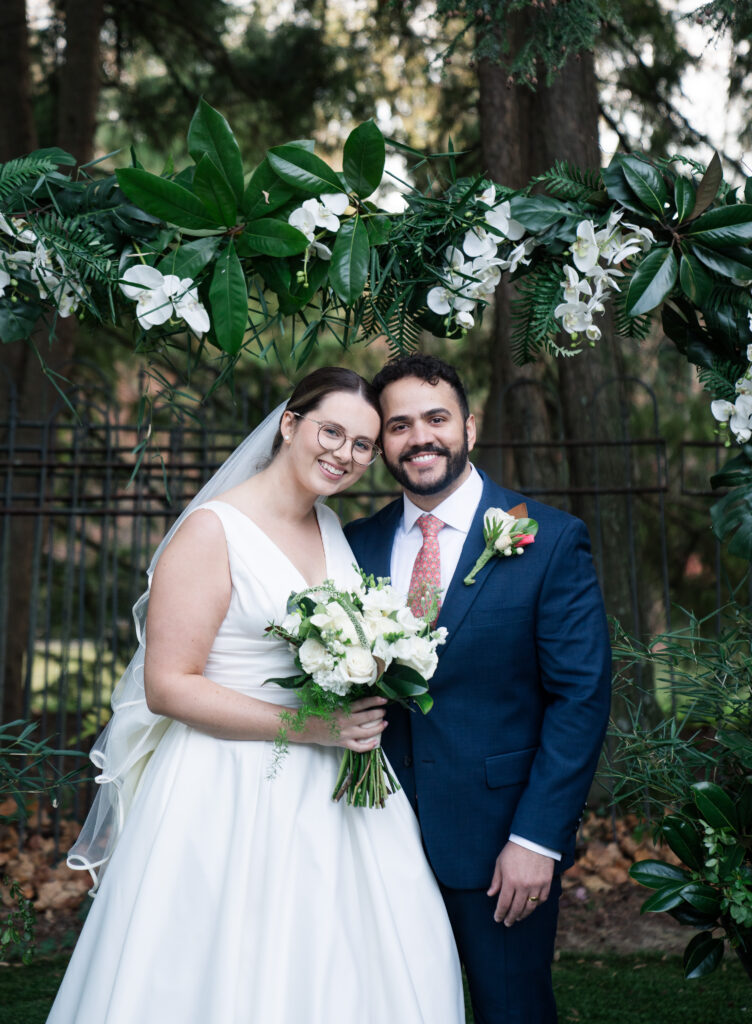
(505, 533)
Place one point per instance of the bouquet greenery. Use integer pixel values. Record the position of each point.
(353, 644)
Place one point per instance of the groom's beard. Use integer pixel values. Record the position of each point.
(455, 466)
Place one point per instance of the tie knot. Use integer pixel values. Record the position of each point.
(430, 525)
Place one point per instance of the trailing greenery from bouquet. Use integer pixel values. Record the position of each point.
(238, 257)
(353, 644)
(690, 777)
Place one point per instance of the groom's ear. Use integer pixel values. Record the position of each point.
(472, 433)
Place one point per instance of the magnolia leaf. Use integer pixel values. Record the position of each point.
(715, 805)
(729, 263)
(265, 193)
(684, 198)
(665, 898)
(228, 299)
(378, 228)
(271, 238)
(646, 182)
(656, 873)
(704, 898)
(303, 170)
(748, 190)
(363, 159)
(652, 281)
(729, 225)
(210, 186)
(165, 199)
(617, 187)
(190, 259)
(17, 319)
(684, 840)
(702, 955)
(696, 283)
(209, 134)
(707, 190)
(538, 213)
(348, 270)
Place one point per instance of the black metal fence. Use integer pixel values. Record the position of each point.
(78, 527)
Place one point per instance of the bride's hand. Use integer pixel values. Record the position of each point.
(359, 731)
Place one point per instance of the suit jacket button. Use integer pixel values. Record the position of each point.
(407, 761)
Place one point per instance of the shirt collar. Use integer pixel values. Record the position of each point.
(456, 511)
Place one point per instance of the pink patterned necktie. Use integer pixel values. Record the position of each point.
(426, 576)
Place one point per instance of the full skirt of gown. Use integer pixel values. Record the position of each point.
(242, 895)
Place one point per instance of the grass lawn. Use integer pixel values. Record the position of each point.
(590, 989)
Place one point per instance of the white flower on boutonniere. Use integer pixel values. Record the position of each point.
(504, 535)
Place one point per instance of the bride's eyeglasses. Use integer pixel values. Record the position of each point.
(332, 437)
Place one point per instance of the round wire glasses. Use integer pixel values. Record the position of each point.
(332, 437)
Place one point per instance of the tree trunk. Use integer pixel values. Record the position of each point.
(17, 131)
(79, 82)
(80, 78)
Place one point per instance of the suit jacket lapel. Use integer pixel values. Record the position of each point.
(459, 597)
(382, 539)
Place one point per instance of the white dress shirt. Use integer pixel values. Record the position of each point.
(457, 513)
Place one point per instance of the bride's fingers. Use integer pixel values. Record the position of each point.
(366, 703)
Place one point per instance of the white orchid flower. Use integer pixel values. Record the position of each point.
(749, 347)
(455, 259)
(439, 300)
(501, 219)
(575, 316)
(574, 286)
(605, 278)
(158, 296)
(644, 236)
(487, 196)
(593, 333)
(744, 385)
(304, 221)
(464, 319)
(738, 415)
(478, 242)
(517, 256)
(4, 281)
(585, 250)
(487, 273)
(321, 250)
(18, 228)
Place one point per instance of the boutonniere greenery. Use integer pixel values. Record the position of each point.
(504, 534)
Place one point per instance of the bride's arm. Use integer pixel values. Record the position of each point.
(189, 598)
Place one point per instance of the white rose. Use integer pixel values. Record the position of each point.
(314, 656)
(496, 517)
(377, 625)
(416, 653)
(335, 619)
(384, 650)
(359, 666)
(333, 679)
(407, 622)
(385, 600)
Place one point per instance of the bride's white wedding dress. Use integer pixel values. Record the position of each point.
(236, 898)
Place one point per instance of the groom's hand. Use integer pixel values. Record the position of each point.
(522, 880)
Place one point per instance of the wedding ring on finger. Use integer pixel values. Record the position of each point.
(533, 899)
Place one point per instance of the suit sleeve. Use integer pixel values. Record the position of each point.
(574, 662)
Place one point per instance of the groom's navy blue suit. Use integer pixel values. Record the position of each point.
(512, 742)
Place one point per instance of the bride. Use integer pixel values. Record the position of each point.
(230, 896)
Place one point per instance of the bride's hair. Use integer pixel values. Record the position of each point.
(315, 387)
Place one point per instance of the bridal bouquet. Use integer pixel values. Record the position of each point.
(352, 644)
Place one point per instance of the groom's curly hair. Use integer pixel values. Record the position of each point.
(425, 367)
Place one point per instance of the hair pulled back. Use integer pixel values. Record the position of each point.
(317, 385)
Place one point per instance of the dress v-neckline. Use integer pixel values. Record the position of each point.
(276, 546)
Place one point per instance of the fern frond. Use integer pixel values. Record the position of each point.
(626, 326)
(23, 171)
(538, 294)
(719, 380)
(80, 247)
(565, 181)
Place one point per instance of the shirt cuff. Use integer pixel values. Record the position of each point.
(535, 847)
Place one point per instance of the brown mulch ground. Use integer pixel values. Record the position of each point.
(600, 905)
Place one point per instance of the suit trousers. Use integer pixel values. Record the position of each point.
(508, 969)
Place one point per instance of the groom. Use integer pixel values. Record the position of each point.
(499, 771)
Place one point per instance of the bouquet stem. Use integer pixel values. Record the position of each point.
(364, 780)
